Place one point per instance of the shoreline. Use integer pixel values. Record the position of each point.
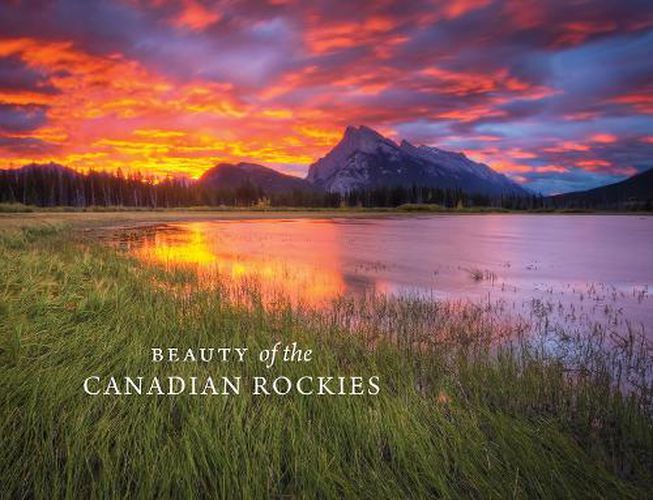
(88, 220)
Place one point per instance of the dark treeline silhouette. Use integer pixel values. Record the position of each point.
(449, 198)
(52, 185)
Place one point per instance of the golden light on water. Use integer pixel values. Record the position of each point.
(309, 278)
(189, 247)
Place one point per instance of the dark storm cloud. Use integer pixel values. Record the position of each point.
(24, 146)
(21, 118)
(14, 75)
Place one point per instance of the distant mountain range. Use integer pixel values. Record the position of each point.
(635, 192)
(226, 176)
(364, 159)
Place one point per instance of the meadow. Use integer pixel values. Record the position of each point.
(472, 403)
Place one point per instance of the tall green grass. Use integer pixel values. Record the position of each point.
(470, 405)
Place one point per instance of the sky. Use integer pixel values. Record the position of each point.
(558, 95)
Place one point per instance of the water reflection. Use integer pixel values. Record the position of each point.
(249, 253)
(577, 265)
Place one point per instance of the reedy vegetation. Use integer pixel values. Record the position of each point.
(471, 403)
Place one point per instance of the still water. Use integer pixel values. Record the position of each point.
(599, 264)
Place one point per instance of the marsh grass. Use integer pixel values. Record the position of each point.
(472, 404)
(478, 274)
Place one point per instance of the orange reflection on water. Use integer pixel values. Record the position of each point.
(246, 253)
(186, 248)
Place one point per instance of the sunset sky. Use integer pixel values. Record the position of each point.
(556, 94)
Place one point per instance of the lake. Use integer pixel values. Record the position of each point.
(589, 266)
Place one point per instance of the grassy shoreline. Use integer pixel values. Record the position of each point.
(406, 209)
(457, 416)
(88, 220)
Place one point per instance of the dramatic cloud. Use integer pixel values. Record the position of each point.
(556, 94)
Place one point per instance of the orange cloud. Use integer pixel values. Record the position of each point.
(522, 155)
(594, 164)
(471, 114)
(642, 102)
(195, 16)
(525, 14)
(462, 83)
(470, 82)
(375, 31)
(551, 168)
(567, 146)
(457, 8)
(576, 32)
(582, 116)
(604, 138)
(499, 161)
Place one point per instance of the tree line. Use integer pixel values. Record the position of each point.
(52, 185)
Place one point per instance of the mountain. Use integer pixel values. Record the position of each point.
(364, 159)
(634, 192)
(226, 176)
